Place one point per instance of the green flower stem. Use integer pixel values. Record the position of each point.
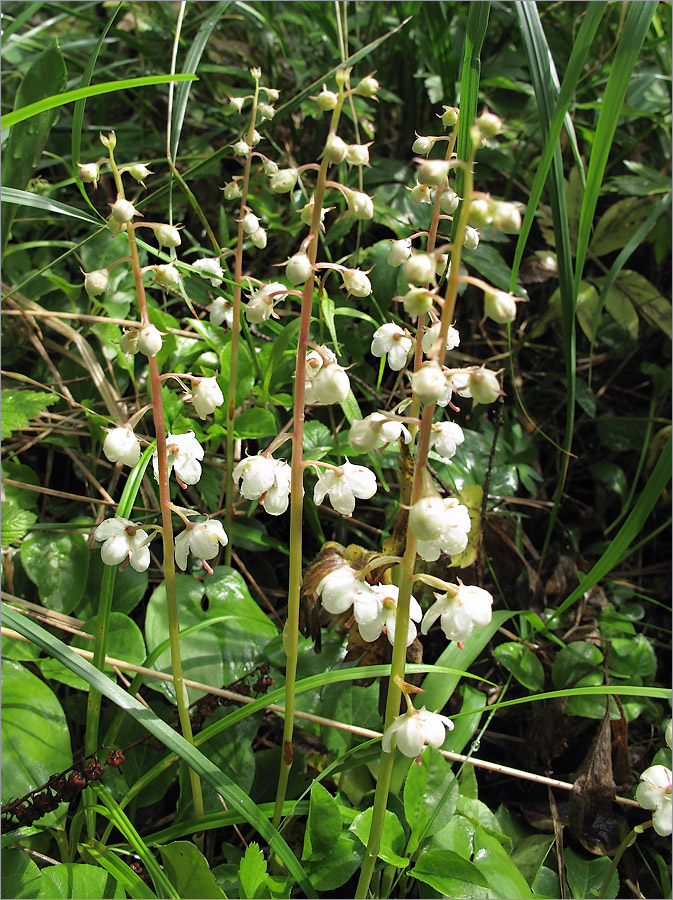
(291, 629)
(628, 840)
(236, 339)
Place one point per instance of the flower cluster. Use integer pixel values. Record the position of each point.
(441, 526)
(267, 479)
(326, 381)
(342, 484)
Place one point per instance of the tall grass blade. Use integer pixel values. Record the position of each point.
(133, 884)
(25, 198)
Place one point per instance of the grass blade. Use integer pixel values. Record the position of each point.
(133, 884)
(25, 198)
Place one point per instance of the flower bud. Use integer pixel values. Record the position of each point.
(356, 282)
(128, 343)
(306, 213)
(167, 275)
(429, 382)
(336, 149)
(255, 138)
(506, 217)
(149, 340)
(450, 116)
(241, 148)
(270, 167)
(232, 191)
(250, 223)
(367, 87)
(358, 154)
(206, 396)
(470, 238)
(420, 193)
(433, 171)
(399, 252)
(123, 210)
(326, 100)
(167, 236)
(427, 518)
(89, 173)
(449, 201)
(484, 386)
(139, 172)
(121, 445)
(480, 212)
(272, 93)
(489, 124)
(298, 269)
(418, 301)
(423, 144)
(235, 104)
(331, 384)
(360, 205)
(284, 181)
(108, 141)
(419, 269)
(265, 111)
(258, 238)
(500, 306)
(96, 282)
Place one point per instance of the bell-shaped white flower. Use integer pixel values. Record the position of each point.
(184, 455)
(266, 478)
(427, 518)
(453, 538)
(360, 205)
(206, 396)
(394, 341)
(121, 445)
(167, 235)
(445, 438)
(222, 311)
(399, 252)
(298, 269)
(414, 729)
(420, 269)
(431, 337)
(122, 540)
(356, 282)
(343, 485)
(459, 612)
(654, 792)
(149, 340)
(260, 306)
(484, 386)
(429, 382)
(326, 381)
(383, 616)
(500, 306)
(209, 269)
(96, 282)
(376, 430)
(202, 539)
(341, 588)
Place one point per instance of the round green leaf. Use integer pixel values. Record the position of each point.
(522, 663)
(58, 564)
(574, 661)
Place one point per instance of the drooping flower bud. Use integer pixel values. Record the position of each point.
(429, 382)
(489, 124)
(270, 167)
(500, 306)
(399, 252)
(358, 154)
(331, 384)
(326, 100)
(471, 238)
(265, 111)
(128, 342)
(109, 141)
(423, 144)
(96, 282)
(210, 269)
(480, 212)
(433, 171)
(427, 518)
(149, 340)
(450, 116)
(419, 269)
(121, 445)
(367, 87)
(356, 282)
(298, 269)
(360, 204)
(418, 301)
(139, 172)
(206, 396)
(258, 238)
(283, 181)
(255, 137)
(167, 236)
(336, 149)
(167, 275)
(420, 193)
(89, 173)
(484, 386)
(506, 217)
(449, 201)
(123, 210)
(222, 311)
(241, 148)
(250, 223)
(235, 104)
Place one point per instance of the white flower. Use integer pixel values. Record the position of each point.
(341, 588)
(420, 269)
(203, 539)
(414, 729)
(343, 485)
(373, 619)
(121, 540)
(484, 386)
(209, 269)
(122, 444)
(376, 430)
(431, 337)
(184, 455)
(453, 538)
(356, 282)
(298, 269)
(167, 236)
(260, 306)
(394, 341)
(326, 381)
(222, 310)
(265, 477)
(206, 396)
(445, 437)
(654, 792)
(429, 383)
(459, 612)
(250, 223)
(427, 518)
(167, 275)
(149, 340)
(459, 381)
(449, 201)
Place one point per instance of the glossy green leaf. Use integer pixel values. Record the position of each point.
(573, 661)
(323, 826)
(58, 564)
(444, 869)
(19, 407)
(496, 866)
(255, 423)
(252, 871)
(73, 880)
(392, 836)
(124, 640)
(20, 877)
(189, 871)
(430, 794)
(586, 876)
(522, 663)
(332, 871)
(15, 523)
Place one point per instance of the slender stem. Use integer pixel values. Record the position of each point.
(236, 339)
(291, 629)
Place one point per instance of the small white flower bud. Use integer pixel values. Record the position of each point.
(356, 282)
(283, 181)
(506, 217)
(360, 205)
(326, 100)
(270, 167)
(471, 238)
(480, 212)
(450, 116)
(399, 252)
(306, 213)
(108, 141)
(429, 382)
(96, 282)
(427, 518)
(367, 87)
(167, 236)
(149, 340)
(484, 386)
(271, 93)
(336, 149)
(258, 238)
(206, 396)
(139, 172)
(121, 445)
(331, 384)
(259, 308)
(449, 201)
(358, 154)
(128, 343)
(418, 301)
(241, 148)
(298, 269)
(423, 144)
(250, 223)
(420, 193)
(232, 191)
(235, 104)
(167, 275)
(265, 111)
(123, 210)
(433, 171)
(419, 269)
(489, 124)
(255, 138)
(89, 173)
(500, 306)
